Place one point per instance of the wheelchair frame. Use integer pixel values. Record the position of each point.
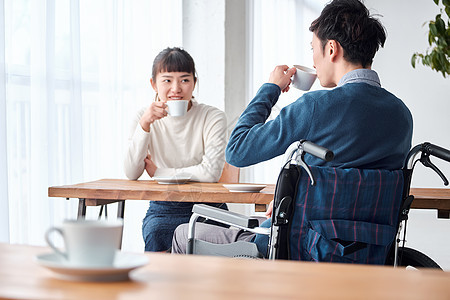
(295, 157)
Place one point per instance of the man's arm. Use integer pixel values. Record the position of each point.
(254, 140)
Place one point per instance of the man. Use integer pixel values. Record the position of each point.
(366, 126)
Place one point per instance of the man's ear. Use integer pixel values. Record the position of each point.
(334, 50)
(153, 85)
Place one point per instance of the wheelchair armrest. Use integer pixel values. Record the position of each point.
(225, 216)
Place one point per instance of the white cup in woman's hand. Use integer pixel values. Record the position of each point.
(177, 108)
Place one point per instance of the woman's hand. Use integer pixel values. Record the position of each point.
(281, 76)
(150, 166)
(155, 111)
(269, 210)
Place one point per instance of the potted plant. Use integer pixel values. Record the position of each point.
(437, 57)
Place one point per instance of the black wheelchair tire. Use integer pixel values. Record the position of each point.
(413, 258)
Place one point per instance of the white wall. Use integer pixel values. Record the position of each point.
(4, 207)
(203, 38)
(426, 93)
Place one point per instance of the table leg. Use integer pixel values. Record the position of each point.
(82, 208)
(121, 209)
(260, 207)
(443, 214)
(120, 214)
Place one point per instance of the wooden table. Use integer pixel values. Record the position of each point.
(428, 198)
(107, 191)
(171, 276)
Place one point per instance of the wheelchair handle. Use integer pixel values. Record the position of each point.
(437, 151)
(427, 150)
(316, 150)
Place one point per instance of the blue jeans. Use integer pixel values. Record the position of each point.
(161, 220)
(262, 240)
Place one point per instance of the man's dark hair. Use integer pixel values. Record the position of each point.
(350, 23)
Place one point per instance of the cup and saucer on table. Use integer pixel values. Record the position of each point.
(91, 252)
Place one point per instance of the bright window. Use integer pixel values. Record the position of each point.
(280, 36)
(76, 72)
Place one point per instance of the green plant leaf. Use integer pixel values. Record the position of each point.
(413, 60)
(426, 61)
(443, 62)
(440, 25)
(437, 57)
(434, 61)
(433, 29)
(430, 38)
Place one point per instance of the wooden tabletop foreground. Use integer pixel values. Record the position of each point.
(171, 276)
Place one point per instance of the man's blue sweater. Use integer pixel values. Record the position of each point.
(364, 125)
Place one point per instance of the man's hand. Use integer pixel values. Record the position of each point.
(281, 76)
(269, 210)
(150, 166)
(155, 111)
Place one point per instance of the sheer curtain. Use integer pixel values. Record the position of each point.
(279, 36)
(72, 74)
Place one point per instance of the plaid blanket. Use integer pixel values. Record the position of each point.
(349, 216)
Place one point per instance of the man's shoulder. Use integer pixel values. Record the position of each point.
(318, 95)
(355, 90)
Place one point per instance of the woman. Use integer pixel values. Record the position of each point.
(165, 145)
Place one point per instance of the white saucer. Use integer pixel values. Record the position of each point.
(123, 264)
(177, 179)
(244, 188)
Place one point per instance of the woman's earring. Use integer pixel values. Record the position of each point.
(156, 98)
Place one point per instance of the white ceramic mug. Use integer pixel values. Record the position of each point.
(177, 108)
(304, 78)
(88, 243)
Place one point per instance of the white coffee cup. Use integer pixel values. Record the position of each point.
(304, 78)
(88, 243)
(177, 108)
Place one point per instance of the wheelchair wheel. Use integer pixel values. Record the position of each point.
(408, 257)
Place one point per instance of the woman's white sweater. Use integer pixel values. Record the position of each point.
(194, 144)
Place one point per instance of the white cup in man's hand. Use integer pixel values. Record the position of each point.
(304, 78)
(177, 108)
(88, 243)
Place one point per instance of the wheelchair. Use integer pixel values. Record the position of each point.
(328, 214)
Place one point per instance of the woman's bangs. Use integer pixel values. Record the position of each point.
(176, 63)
